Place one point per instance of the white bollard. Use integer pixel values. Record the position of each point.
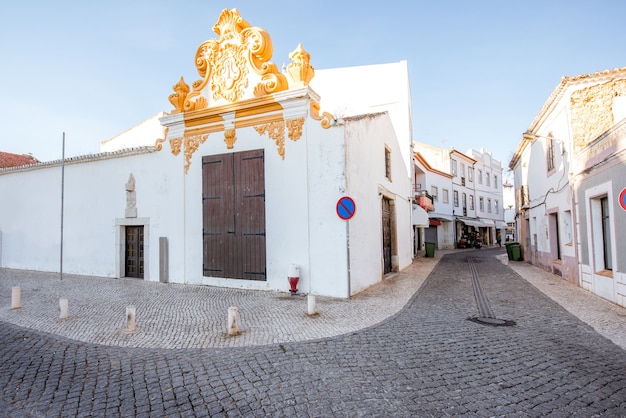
(15, 298)
(311, 301)
(233, 313)
(130, 318)
(64, 305)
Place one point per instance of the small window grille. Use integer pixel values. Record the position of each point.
(388, 163)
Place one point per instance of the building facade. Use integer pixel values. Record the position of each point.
(436, 187)
(489, 187)
(569, 169)
(469, 230)
(508, 196)
(467, 206)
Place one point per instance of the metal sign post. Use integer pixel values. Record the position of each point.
(62, 190)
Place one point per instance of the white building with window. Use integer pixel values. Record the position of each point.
(490, 192)
(508, 197)
(467, 224)
(569, 169)
(438, 184)
(473, 215)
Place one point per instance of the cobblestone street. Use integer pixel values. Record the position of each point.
(424, 357)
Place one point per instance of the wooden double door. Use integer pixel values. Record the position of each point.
(233, 212)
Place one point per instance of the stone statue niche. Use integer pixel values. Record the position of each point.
(131, 197)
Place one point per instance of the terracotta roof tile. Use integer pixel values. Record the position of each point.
(15, 160)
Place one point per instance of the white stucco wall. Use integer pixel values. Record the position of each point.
(94, 208)
(366, 89)
(366, 139)
(143, 134)
(549, 191)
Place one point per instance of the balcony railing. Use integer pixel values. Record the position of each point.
(425, 200)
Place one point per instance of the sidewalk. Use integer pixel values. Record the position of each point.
(608, 319)
(190, 316)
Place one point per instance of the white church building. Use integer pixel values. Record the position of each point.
(255, 170)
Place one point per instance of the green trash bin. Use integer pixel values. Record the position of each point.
(516, 252)
(508, 249)
(430, 249)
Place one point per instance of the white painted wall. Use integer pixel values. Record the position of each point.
(543, 187)
(366, 89)
(366, 138)
(94, 206)
(144, 134)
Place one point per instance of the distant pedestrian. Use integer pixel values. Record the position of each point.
(499, 240)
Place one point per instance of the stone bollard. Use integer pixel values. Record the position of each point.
(64, 305)
(311, 302)
(15, 298)
(233, 314)
(130, 318)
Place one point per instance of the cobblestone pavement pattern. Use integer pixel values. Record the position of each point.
(420, 356)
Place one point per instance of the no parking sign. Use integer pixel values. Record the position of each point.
(622, 198)
(346, 208)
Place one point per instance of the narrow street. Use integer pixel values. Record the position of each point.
(432, 358)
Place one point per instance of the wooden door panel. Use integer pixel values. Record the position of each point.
(386, 221)
(134, 257)
(217, 213)
(250, 218)
(233, 199)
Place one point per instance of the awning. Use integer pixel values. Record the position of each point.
(487, 222)
(420, 217)
(469, 222)
(500, 225)
(440, 216)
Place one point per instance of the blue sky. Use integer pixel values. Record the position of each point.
(480, 70)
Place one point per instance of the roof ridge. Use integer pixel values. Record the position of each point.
(82, 158)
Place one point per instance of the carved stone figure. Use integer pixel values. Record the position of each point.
(131, 198)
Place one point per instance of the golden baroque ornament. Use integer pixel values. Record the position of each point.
(225, 64)
(178, 98)
(300, 71)
(230, 73)
(229, 138)
(276, 132)
(294, 128)
(176, 144)
(325, 117)
(158, 144)
(192, 143)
